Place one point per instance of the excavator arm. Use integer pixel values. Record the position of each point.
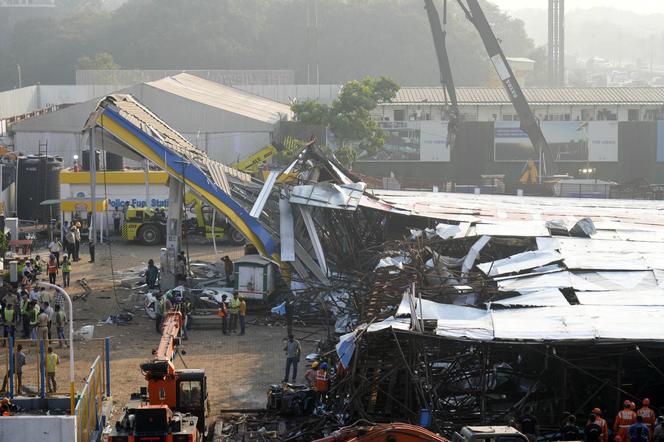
(439, 33)
(528, 124)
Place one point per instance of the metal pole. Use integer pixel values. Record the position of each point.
(93, 189)
(70, 306)
(107, 351)
(11, 368)
(214, 237)
(147, 182)
(42, 369)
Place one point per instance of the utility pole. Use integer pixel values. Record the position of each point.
(20, 83)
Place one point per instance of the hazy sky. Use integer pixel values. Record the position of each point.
(638, 6)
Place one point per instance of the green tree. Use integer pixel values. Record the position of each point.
(349, 117)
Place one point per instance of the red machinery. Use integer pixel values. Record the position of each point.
(173, 407)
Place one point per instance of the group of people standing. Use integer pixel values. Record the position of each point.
(232, 312)
(72, 236)
(629, 425)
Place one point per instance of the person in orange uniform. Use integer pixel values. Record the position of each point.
(322, 381)
(648, 416)
(624, 419)
(599, 420)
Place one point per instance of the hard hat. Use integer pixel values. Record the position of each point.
(627, 403)
(323, 366)
(632, 405)
(314, 365)
(597, 411)
(646, 401)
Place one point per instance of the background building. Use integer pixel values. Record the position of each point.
(227, 123)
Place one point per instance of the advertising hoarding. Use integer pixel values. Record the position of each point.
(413, 141)
(569, 141)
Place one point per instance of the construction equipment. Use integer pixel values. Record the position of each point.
(529, 173)
(174, 406)
(148, 226)
(528, 122)
(204, 223)
(253, 162)
(399, 432)
(439, 33)
(145, 225)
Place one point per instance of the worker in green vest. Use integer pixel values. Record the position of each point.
(10, 321)
(52, 360)
(24, 315)
(66, 270)
(234, 308)
(33, 312)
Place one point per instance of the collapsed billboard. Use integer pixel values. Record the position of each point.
(569, 141)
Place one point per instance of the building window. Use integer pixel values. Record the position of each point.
(399, 115)
(632, 115)
(652, 115)
(606, 115)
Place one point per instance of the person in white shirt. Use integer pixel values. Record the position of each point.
(51, 315)
(55, 247)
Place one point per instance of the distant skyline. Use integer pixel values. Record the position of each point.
(637, 6)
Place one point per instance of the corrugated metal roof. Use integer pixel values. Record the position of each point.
(535, 96)
(223, 97)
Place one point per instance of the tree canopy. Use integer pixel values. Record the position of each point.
(353, 39)
(349, 117)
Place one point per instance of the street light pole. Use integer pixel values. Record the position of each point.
(70, 306)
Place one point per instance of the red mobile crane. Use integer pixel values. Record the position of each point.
(173, 406)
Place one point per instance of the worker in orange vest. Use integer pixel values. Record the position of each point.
(648, 416)
(624, 419)
(322, 381)
(602, 424)
(52, 269)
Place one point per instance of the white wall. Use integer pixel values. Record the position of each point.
(18, 101)
(38, 428)
(65, 145)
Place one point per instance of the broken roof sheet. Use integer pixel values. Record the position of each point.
(625, 216)
(542, 324)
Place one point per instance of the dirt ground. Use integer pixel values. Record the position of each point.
(239, 369)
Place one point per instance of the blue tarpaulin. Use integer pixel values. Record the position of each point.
(346, 347)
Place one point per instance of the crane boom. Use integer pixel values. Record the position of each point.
(528, 123)
(439, 34)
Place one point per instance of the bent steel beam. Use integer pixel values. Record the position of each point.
(130, 122)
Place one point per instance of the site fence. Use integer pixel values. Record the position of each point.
(88, 409)
(88, 412)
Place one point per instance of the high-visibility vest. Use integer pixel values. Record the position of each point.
(648, 416)
(51, 362)
(24, 307)
(321, 380)
(33, 317)
(66, 266)
(9, 315)
(625, 418)
(52, 267)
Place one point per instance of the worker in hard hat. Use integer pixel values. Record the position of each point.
(599, 420)
(310, 374)
(648, 415)
(322, 381)
(623, 420)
